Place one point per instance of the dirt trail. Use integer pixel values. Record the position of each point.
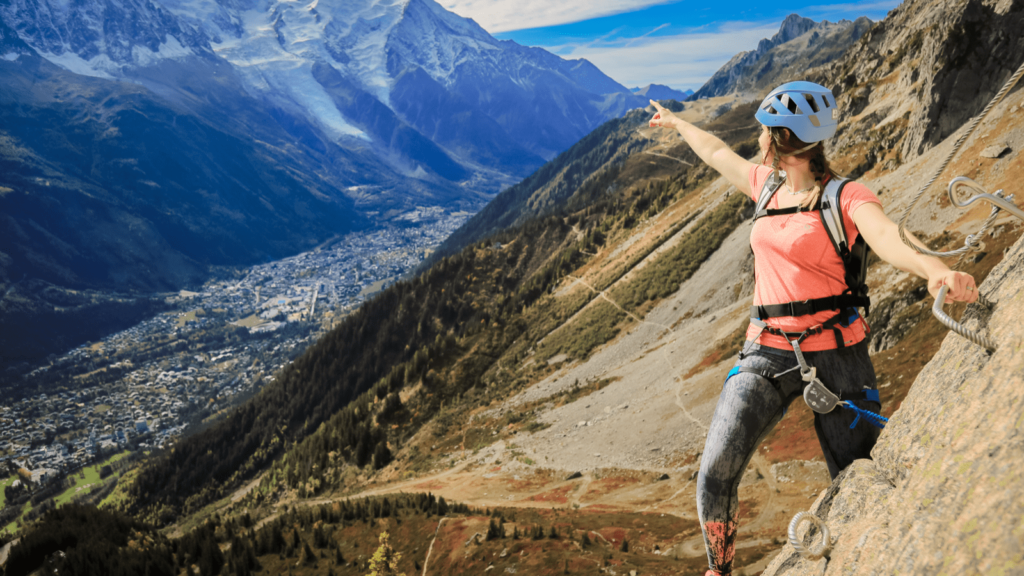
(669, 157)
(581, 491)
(426, 562)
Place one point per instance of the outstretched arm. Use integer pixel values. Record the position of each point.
(883, 236)
(710, 149)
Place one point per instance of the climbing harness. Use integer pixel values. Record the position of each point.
(973, 241)
(817, 396)
(815, 552)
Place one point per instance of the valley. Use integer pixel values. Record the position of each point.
(143, 387)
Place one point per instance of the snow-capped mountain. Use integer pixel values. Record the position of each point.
(495, 105)
(145, 143)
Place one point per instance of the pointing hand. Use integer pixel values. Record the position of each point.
(663, 117)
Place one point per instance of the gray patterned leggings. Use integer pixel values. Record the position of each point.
(749, 407)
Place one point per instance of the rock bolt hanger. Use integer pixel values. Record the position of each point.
(973, 241)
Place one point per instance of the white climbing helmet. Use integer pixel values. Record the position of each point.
(806, 108)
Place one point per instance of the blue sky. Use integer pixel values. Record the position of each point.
(638, 42)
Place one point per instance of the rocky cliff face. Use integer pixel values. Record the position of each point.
(923, 72)
(944, 493)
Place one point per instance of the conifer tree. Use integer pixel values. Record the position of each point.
(384, 561)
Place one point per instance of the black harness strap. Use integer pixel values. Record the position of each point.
(763, 374)
(784, 211)
(808, 307)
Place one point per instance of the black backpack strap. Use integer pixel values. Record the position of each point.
(783, 211)
(854, 257)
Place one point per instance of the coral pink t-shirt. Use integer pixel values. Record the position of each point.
(794, 261)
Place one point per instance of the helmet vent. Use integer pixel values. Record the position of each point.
(814, 105)
(789, 103)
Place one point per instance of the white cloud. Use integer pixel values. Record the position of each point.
(682, 61)
(502, 16)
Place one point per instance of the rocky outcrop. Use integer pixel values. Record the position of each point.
(944, 493)
(931, 65)
(801, 43)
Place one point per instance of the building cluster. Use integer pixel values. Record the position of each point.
(146, 399)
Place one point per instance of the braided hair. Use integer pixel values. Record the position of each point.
(784, 143)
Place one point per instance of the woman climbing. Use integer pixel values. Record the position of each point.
(803, 303)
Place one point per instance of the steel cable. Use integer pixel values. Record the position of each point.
(957, 327)
(972, 241)
(814, 552)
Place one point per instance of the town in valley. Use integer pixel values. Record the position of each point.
(139, 389)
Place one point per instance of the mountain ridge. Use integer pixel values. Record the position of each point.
(800, 43)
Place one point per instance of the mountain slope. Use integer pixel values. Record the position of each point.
(442, 333)
(922, 74)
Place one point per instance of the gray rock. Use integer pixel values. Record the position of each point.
(944, 491)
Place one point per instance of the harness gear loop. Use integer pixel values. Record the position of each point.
(820, 550)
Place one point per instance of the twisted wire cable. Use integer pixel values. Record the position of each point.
(814, 552)
(957, 327)
(971, 243)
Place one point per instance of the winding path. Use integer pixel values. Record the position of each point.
(426, 562)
